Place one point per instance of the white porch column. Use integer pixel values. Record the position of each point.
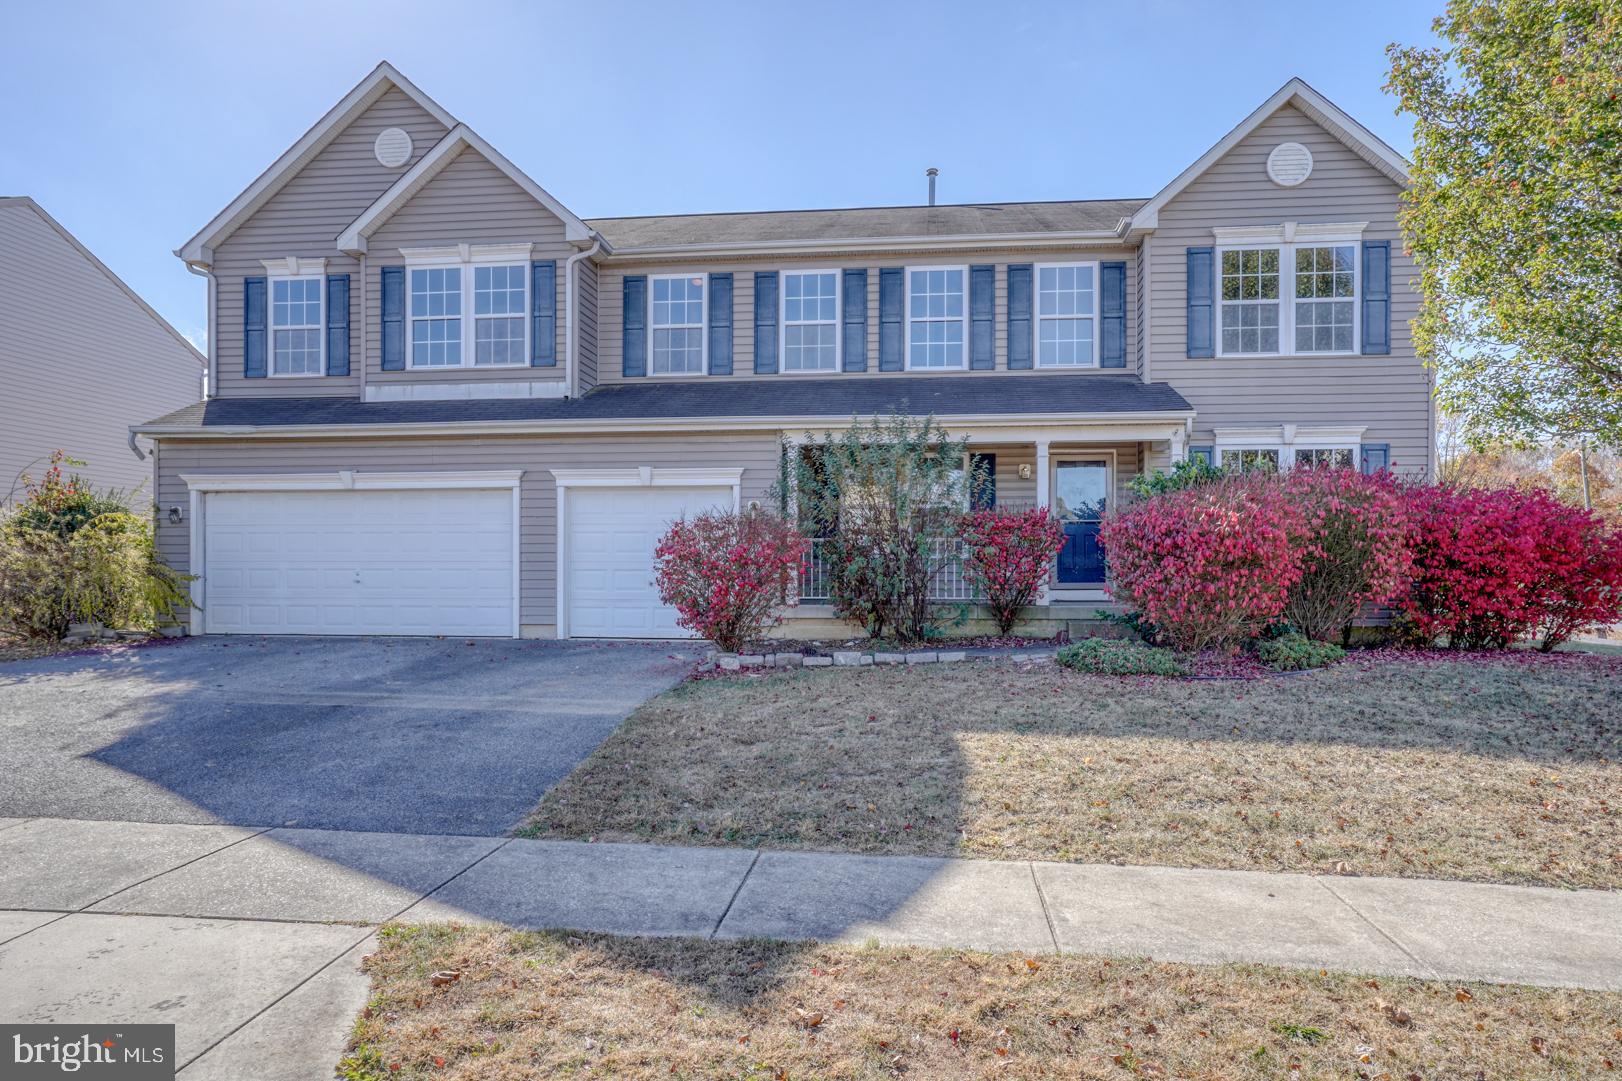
(1179, 445)
(1044, 498)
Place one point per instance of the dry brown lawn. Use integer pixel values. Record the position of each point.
(531, 1006)
(1505, 770)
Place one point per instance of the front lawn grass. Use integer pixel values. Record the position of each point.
(531, 1006)
(1492, 768)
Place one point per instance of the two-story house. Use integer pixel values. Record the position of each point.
(444, 404)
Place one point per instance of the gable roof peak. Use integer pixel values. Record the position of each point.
(199, 250)
(1296, 92)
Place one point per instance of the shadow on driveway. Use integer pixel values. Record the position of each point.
(395, 735)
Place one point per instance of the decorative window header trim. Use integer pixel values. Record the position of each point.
(467, 253)
(646, 476)
(1290, 435)
(1291, 232)
(294, 266)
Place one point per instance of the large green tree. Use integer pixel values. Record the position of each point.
(1515, 214)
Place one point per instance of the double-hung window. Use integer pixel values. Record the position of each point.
(810, 321)
(467, 306)
(937, 317)
(296, 325)
(1287, 298)
(1278, 448)
(677, 320)
(1067, 315)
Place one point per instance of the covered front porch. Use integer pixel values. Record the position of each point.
(1079, 471)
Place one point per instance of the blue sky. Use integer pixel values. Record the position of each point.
(134, 123)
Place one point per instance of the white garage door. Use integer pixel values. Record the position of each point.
(359, 562)
(612, 533)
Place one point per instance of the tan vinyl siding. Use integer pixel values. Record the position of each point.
(586, 340)
(1390, 394)
(1016, 491)
(611, 314)
(81, 359)
(756, 454)
(304, 219)
(469, 202)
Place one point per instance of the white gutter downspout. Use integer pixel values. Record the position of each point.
(212, 390)
(571, 331)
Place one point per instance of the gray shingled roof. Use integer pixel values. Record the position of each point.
(975, 219)
(944, 396)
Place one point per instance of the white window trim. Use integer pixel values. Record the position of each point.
(639, 476)
(293, 268)
(783, 323)
(465, 257)
(199, 485)
(1285, 239)
(1036, 305)
(906, 341)
(1287, 439)
(703, 327)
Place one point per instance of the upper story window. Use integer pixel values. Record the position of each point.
(1066, 315)
(487, 285)
(436, 317)
(678, 324)
(296, 325)
(1319, 281)
(811, 321)
(937, 317)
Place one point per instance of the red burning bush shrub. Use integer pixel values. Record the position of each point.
(1008, 555)
(728, 575)
(1491, 566)
(1208, 566)
(1351, 544)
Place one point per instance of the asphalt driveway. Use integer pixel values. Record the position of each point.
(395, 735)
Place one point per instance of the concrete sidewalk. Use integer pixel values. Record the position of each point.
(250, 939)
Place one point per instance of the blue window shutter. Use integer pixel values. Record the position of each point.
(1377, 296)
(1375, 457)
(1204, 454)
(253, 328)
(337, 324)
(1112, 309)
(1201, 302)
(720, 324)
(983, 493)
(1019, 315)
(982, 318)
(543, 314)
(766, 322)
(392, 309)
(892, 280)
(853, 321)
(634, 331)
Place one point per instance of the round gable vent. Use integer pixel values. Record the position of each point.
(1289, 164)
(393, 147)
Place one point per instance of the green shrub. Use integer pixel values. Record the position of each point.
(1294, 652)
(107, 571)
(1106, 657)
(1189, 473)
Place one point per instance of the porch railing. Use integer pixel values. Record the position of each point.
(950, 582)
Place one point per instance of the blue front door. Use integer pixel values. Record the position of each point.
(1080, 495)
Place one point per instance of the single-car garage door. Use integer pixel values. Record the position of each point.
(396, 561)
(611, 534)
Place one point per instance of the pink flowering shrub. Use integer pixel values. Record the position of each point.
(1351, 544)
(1209, 566)
(729, 575)
(1007, 556)
(1492, 566)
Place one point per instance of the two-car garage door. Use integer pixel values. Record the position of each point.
(395, 561)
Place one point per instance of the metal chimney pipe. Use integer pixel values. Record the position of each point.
(932, 173)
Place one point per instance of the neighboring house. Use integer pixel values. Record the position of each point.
(82, 357)
(444, 404)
